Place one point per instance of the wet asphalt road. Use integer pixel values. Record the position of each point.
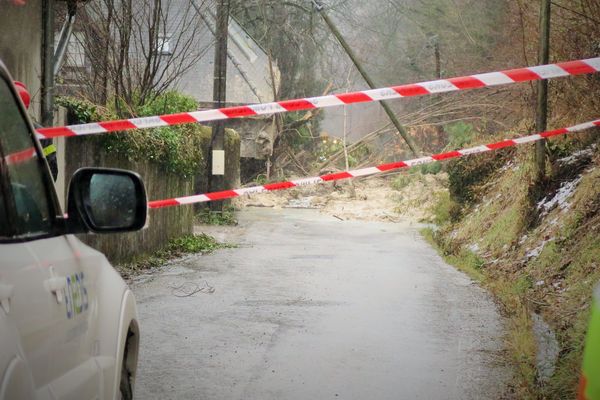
(310, 307)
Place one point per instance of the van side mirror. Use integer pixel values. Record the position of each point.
(106, 200)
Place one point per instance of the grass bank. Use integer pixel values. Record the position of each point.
(536, 248)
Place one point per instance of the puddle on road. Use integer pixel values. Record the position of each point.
(547, 348)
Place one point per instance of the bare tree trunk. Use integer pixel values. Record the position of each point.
(276, 117)
(438, 74)
(104, 71)
(401, 130)
(127, 59)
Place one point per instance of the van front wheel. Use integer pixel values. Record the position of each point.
(125, 386)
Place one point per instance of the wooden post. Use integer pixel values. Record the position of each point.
(541, 119)
(438, 62)
(438, 74)
(216, 178)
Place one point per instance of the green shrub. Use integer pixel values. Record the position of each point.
(225, 217)
(81, 111)
(431, 168)
(178, 148)
(445, 209)
(460, 134)
(466, 173)
(202, 243)
(168, 103)
(401, 182)
(471, 260)
(177, 247)
(522, 285)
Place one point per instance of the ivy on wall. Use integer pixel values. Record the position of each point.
(178, 148)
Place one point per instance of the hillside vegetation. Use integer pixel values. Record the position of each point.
(539, 256)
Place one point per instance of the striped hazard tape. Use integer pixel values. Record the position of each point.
(20, 156)
(228, 194)
(569, 68)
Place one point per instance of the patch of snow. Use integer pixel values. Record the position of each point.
(523, 239)
(548, 348)
(537, 251)
(507, 166)
(578, 155)
(474, 248)
(559, 199)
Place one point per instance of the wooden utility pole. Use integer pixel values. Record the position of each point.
(541, 118)
(438, 61)
(216, 178)
(365, 76)
(438, 74)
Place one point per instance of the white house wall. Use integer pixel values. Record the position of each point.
(248, 76)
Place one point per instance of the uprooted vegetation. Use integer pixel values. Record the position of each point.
(178, 247)
(537, 247)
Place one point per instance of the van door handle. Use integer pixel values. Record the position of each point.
(57, 286)
(6, 293)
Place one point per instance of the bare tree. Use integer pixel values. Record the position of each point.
(136, 49)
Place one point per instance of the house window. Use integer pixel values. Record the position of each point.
(75, 51)
(163, 45)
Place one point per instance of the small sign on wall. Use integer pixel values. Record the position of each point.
(218, 162)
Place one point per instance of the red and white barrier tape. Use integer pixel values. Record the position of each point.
(439, 86)
(20, 156)
(228, 194)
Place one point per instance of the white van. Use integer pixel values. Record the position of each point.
(68, 322)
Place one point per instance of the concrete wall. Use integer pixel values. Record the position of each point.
(164, 224)
(21, 45)
(21, 50)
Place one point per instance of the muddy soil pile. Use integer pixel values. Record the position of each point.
(398, 197)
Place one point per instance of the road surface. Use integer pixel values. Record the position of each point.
(311, 307)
